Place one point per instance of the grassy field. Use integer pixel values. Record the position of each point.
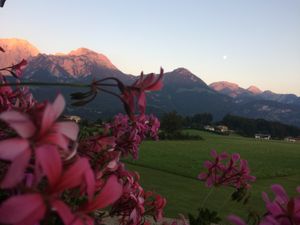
(171, 167)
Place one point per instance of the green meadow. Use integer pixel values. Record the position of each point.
(170, 168)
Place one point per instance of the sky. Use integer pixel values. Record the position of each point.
(248, 42)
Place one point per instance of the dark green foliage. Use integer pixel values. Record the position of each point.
(241, 195)
(204, 217)
(253, 218)
(89, 130)
(171, 123)
(200, 120)
(250, 127)
(178, 136)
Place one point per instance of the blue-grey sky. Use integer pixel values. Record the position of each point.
(243, 41)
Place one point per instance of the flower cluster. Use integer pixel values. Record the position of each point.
(227, 170)
(42, 166)
(283, 210)
(17, 98)
(135, 204)
(129, 133)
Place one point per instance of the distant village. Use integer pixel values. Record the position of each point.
(224, 130)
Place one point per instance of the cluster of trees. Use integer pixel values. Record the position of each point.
(250, 127)
(173, 123)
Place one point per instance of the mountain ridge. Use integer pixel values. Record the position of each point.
(183, 91)
(244, 95)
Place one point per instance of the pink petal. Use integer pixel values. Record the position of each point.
(236, 220)
(90, 181)
(223, 155)
(208, 164)
(52, 112)
(110, 193)
(63, 211)
(58, 105)
(19, 208)
(16, 171)
(35, 217)
(69, 129)
(214, 153)
(142, 102)
(11, 148)
(202, 176)
(235, 157)
(281, 195)
(19, 122)
(48, 119)
(55, 139)
(49, 160)
(73, 176)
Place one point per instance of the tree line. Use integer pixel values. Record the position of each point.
(173, 123)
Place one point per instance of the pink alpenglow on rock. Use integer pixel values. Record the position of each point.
(227, 170)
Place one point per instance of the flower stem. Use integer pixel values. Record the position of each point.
(75, 85)
(207, 196)
(224, 203)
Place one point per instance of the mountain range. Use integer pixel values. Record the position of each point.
(183, 91)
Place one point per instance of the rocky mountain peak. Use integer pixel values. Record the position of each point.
(93, 56)
(15, 51)
(221, 85)
(254, 90)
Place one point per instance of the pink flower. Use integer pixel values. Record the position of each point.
(155, 206)
(31, 208)
(236, 220)
(226, 170)
(38, 133)
(109, 194)
(16, 70)
(23, 209)
(283, 209)
(137, 91)
(130, 133)
(19, 99)
(130, 207)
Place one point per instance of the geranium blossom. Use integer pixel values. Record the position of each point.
(228, 170)
(283, 210)
(130, 133)
(135, 204)
(34, 133)
(15, 70)
(18, 99)
(29, 209)
(137, 91)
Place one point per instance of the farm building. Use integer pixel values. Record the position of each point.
(262, 136)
